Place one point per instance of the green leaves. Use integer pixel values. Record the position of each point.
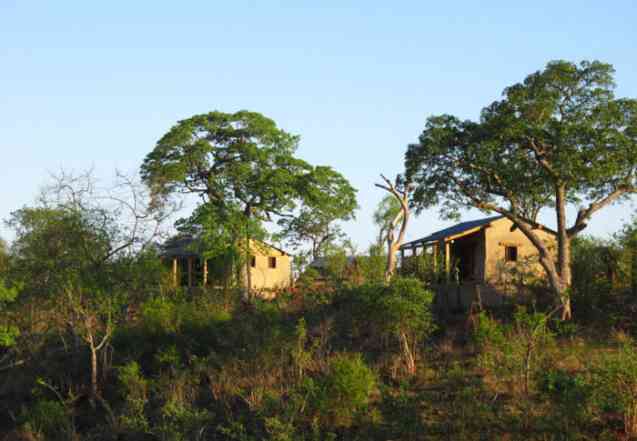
(560, 126)
(8, 332)
(240, 158)
(244, 169)
(327, 197)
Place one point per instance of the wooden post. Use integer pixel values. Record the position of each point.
(189, 272)
(175, 272)
(205, 272)
(448, 260)
(434, 254)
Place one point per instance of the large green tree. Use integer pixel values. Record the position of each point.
(559, 138)
(242, 166)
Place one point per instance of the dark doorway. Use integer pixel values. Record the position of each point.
(464, 252)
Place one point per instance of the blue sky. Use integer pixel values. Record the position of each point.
(97, 83)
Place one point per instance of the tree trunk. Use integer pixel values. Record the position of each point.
(391, 257)
(410, 359)
(93, 349)
(633, 266)
(563, 254)
(560, 282)
(393, 244)
(247, 273)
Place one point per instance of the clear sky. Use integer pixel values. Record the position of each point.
(86, 83)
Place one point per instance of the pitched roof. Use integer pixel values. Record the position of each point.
(321, 262)
(188, 246)
(180, 246)
(452, 231)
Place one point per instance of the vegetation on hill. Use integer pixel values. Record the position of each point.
(97, 342)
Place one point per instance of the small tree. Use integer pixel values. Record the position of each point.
(558, 138)
(390, 231)
(406, 313)
(513, 353)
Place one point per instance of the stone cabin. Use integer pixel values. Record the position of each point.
(271, 267)
(483, 260)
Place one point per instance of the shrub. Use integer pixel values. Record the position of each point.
(405, 312)
(398, 315)
(160, 316)
(615, 379)
(345, 389)
(570, 394)
(134, 391)
(514, 352)
(180, 422)
(50, 419)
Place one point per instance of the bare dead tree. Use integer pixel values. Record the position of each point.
(124, 210)
(394, 234)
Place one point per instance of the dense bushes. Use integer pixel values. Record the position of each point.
(514, 353)
(615, 379)
(396, 318)
(363, 362)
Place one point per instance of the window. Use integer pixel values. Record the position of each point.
(510, 254)
(272, 262)
(253, 261)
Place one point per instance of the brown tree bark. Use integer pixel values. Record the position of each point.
(563, 253)
(94, 349)
(247, 264)
(401, 193)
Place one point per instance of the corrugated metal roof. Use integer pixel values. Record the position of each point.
(452, 231)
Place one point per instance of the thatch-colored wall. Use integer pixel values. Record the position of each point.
(499, 235)
(264, 277)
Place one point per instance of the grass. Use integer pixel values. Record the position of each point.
(201, 369)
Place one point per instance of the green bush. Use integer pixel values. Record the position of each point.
(405, 313)
(615, 380)
(50, 419)
(159, 315)
(134, 391)
(569, 393)
(345, 390)
(397, 316)
(514, 353)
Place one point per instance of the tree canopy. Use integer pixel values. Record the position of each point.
(244, 169)
(240, 160)
(560, 137)
(329, 199)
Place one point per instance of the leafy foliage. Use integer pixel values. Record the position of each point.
(243, 168)
(559, 137)
(616, 383)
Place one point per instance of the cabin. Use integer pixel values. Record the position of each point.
(270, 267)
(349, 268)
(484, 260)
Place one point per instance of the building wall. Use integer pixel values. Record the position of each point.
(264, 277)
(498, 272)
